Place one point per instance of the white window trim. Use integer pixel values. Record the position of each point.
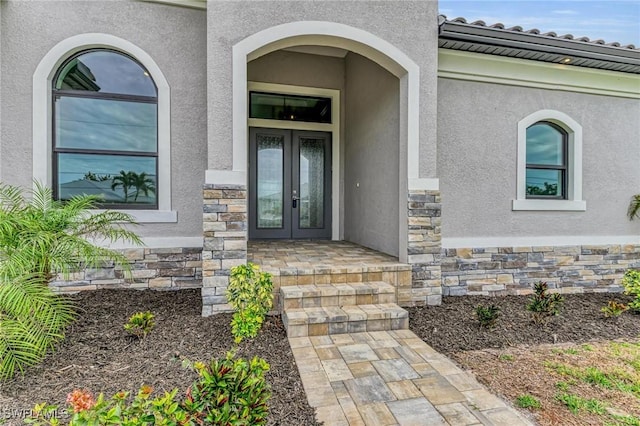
(574, 201)
(43, 121)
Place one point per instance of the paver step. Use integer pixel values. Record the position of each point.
(321, 295)
(326, 320)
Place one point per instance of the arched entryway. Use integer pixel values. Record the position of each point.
(375, 139)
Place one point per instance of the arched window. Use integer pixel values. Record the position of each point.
(546, 161)
(105, 130)
(549, 168)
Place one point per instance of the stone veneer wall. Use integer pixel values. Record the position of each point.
(225, 242)
(424, 247)
(159, 268)
(514, 270)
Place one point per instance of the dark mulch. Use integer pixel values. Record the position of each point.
(453, 327)
(100, 356)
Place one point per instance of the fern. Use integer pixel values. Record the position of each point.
(39, 238)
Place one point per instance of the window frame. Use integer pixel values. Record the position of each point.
(85, 94)
(563, 168)
(42, 122)
(573, 194)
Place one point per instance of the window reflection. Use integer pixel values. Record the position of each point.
(106, 130)
(87, 123)
(107, 72)
(118, 179)
(546, 173)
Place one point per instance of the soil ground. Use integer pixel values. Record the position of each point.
(100, 356)
(548, 362)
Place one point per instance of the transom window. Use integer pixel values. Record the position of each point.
(272, 106)
(546, 174)
(105, 130)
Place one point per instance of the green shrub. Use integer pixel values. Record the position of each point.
(140, 324)
(488, 315)
(32, 320)
(231, 391)
(40, 238)
(528, 401)
(250, 293)
(614, 309)
(543, 305)
(142, 411)
(631, 283)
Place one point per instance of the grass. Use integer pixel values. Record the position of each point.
(576, 403)
(528, 401)
(595, 383)
(506, 357)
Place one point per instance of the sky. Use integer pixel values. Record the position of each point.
(597, 19)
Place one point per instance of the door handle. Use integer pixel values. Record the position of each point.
(294, 201)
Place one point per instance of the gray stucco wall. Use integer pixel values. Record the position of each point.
(232, 21)
(371, 155)
(174, 37)
(477, 141)
(298, 69)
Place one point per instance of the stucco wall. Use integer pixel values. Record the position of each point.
(176, 40)
(298, 69)
(232, 21)
(371, 155)
(477, 141)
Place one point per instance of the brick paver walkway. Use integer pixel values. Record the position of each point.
(392, 378)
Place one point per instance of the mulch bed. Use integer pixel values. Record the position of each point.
(453, 327)
(510, 359)
(100, 356)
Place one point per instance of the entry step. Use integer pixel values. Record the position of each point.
(326, 320)
(327, 295)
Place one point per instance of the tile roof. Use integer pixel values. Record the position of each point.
(552, 34)
(516, 42)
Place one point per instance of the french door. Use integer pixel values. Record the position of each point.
(289, 184)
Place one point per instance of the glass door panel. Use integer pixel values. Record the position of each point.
(270, 181)
(311, 183)
(311, 186)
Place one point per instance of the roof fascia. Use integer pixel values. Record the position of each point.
(527, 41)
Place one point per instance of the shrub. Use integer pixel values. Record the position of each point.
(631, 283)
(614, 309)
(528, 401)
(140, 324)
(39, 238)
(250, 293)
(543, 305)
(143, 410)
(488, 315)
(231, 391)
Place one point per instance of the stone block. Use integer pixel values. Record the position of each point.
(160, 282)
(235, 245)
(214, 226)
(100, 274)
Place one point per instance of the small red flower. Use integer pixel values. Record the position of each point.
(80, 400)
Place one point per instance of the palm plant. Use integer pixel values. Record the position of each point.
(39, 238)
(634, 207)
(143, 183)
(124, 179)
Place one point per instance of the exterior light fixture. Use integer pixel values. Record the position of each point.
(565, 60)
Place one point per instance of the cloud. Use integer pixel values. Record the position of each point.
(565, 12)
